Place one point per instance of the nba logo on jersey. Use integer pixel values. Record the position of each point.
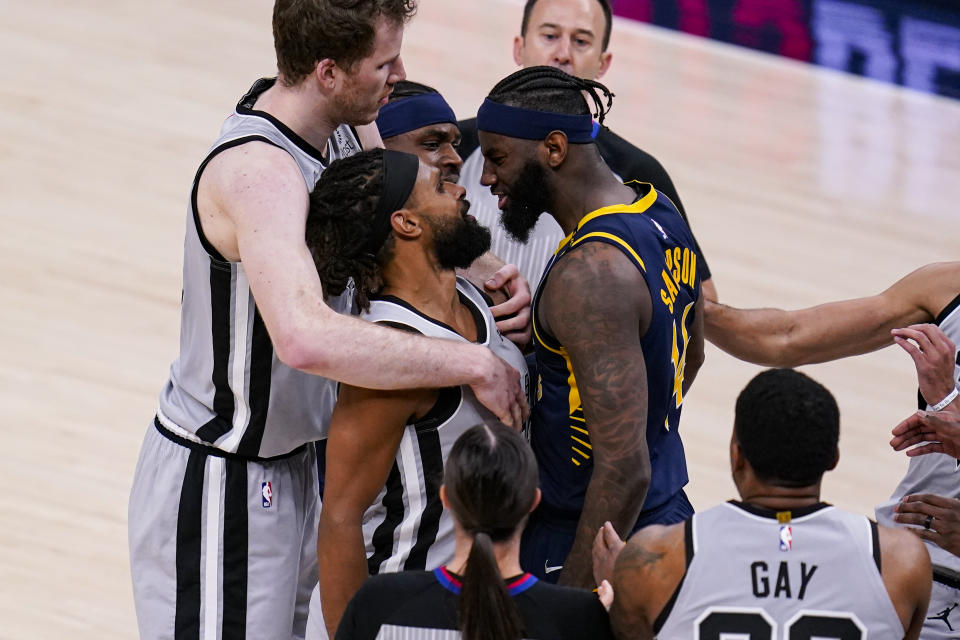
(266, 491)
(786, 538)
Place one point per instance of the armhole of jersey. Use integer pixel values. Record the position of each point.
(689, 549)
(613, 240)
(393, 324)
(210, 249)
(875, 544)
(947, 310)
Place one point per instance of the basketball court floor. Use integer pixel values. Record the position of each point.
(803, 185)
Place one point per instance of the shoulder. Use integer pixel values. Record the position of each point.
(904, 559)
(469, 140)
(575, 612)
(395, 588)
(938, 284)
(254, 167)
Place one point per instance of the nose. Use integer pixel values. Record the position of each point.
(487, 176)
(561, 51)
(459, 192)
(398, 72)
(451, 159)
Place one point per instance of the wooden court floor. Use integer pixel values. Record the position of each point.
(803, 185)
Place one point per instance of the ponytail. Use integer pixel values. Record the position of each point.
(491, 482)
(486, 610)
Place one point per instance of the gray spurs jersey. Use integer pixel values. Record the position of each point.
(749, 575)
(935, 473)
(227, 387)
(407, 527)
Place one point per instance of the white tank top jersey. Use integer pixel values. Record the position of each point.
(935, 473)
(407, 527)
(227, 388)
(749, 575)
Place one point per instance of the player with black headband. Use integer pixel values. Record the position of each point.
(418, 120)
(617, 321)
(489, 486)
(780, 563)
(393, 226)
(573, 36)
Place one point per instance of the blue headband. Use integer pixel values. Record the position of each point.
(406, 114)
(528, 124)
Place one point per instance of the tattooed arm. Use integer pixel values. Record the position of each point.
(597, 305)
(647, 572)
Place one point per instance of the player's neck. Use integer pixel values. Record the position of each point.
(576, 198)
(301, 109)
(430, 290)
(782, 498)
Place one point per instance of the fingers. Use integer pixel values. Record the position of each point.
(605, 593)
(504, 274)
(932, 447)
(610, 537)
(941, 502)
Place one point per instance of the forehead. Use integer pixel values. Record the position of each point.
(446, 130)
(388, 36)
(568, 14)
(490, 141)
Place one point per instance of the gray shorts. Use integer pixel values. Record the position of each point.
(221, 548)
(943, 616)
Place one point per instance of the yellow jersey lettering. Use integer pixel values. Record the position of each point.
(665, 297)
(685, 272)
(676, 265)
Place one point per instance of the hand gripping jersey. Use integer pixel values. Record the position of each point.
(658, 242)
(406, 527)
(752, 574)
(227, 388)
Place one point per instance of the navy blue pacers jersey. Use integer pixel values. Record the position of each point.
(658, 242)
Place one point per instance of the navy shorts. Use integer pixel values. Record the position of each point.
(546, 541)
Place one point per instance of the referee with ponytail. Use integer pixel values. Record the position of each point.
(490, 487)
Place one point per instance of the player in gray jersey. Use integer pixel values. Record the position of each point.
(222, 516)
(393, 226)
(835, 330)
(781, 563)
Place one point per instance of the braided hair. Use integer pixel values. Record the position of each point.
(550, 89)
(340, 220)
(408, 89)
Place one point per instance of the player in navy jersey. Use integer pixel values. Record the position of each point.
(617, 321)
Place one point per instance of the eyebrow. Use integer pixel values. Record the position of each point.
(441, 133)
(550, 25)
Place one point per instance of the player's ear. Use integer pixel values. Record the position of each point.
(737, 460)
(518, 50)
(605, 59)
(556, 146)
(405, 224)
(326, 73)
(443, 497)
(536, 501)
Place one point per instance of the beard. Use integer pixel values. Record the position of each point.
(526, 202)
(457, 244)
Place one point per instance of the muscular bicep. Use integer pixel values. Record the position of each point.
(596, 305)
(365, 433)
(261, 191)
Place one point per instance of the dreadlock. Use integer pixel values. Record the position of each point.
(340, 220)
(550, 89)
(408, 89)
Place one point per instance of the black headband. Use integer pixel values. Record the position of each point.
(529, 124)
(399, 177)
(406, 114)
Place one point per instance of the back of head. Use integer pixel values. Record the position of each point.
(307, 31)
(341, 219)
(550, 89)
(604, 6)
(788, 427)
(490, 481)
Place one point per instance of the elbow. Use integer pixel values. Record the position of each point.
(299, 350)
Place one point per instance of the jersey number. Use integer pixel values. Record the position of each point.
(755, 624)
(678, 354)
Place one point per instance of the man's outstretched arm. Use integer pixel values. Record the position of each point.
(259, 191)
(774, 337)
(596, 303)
